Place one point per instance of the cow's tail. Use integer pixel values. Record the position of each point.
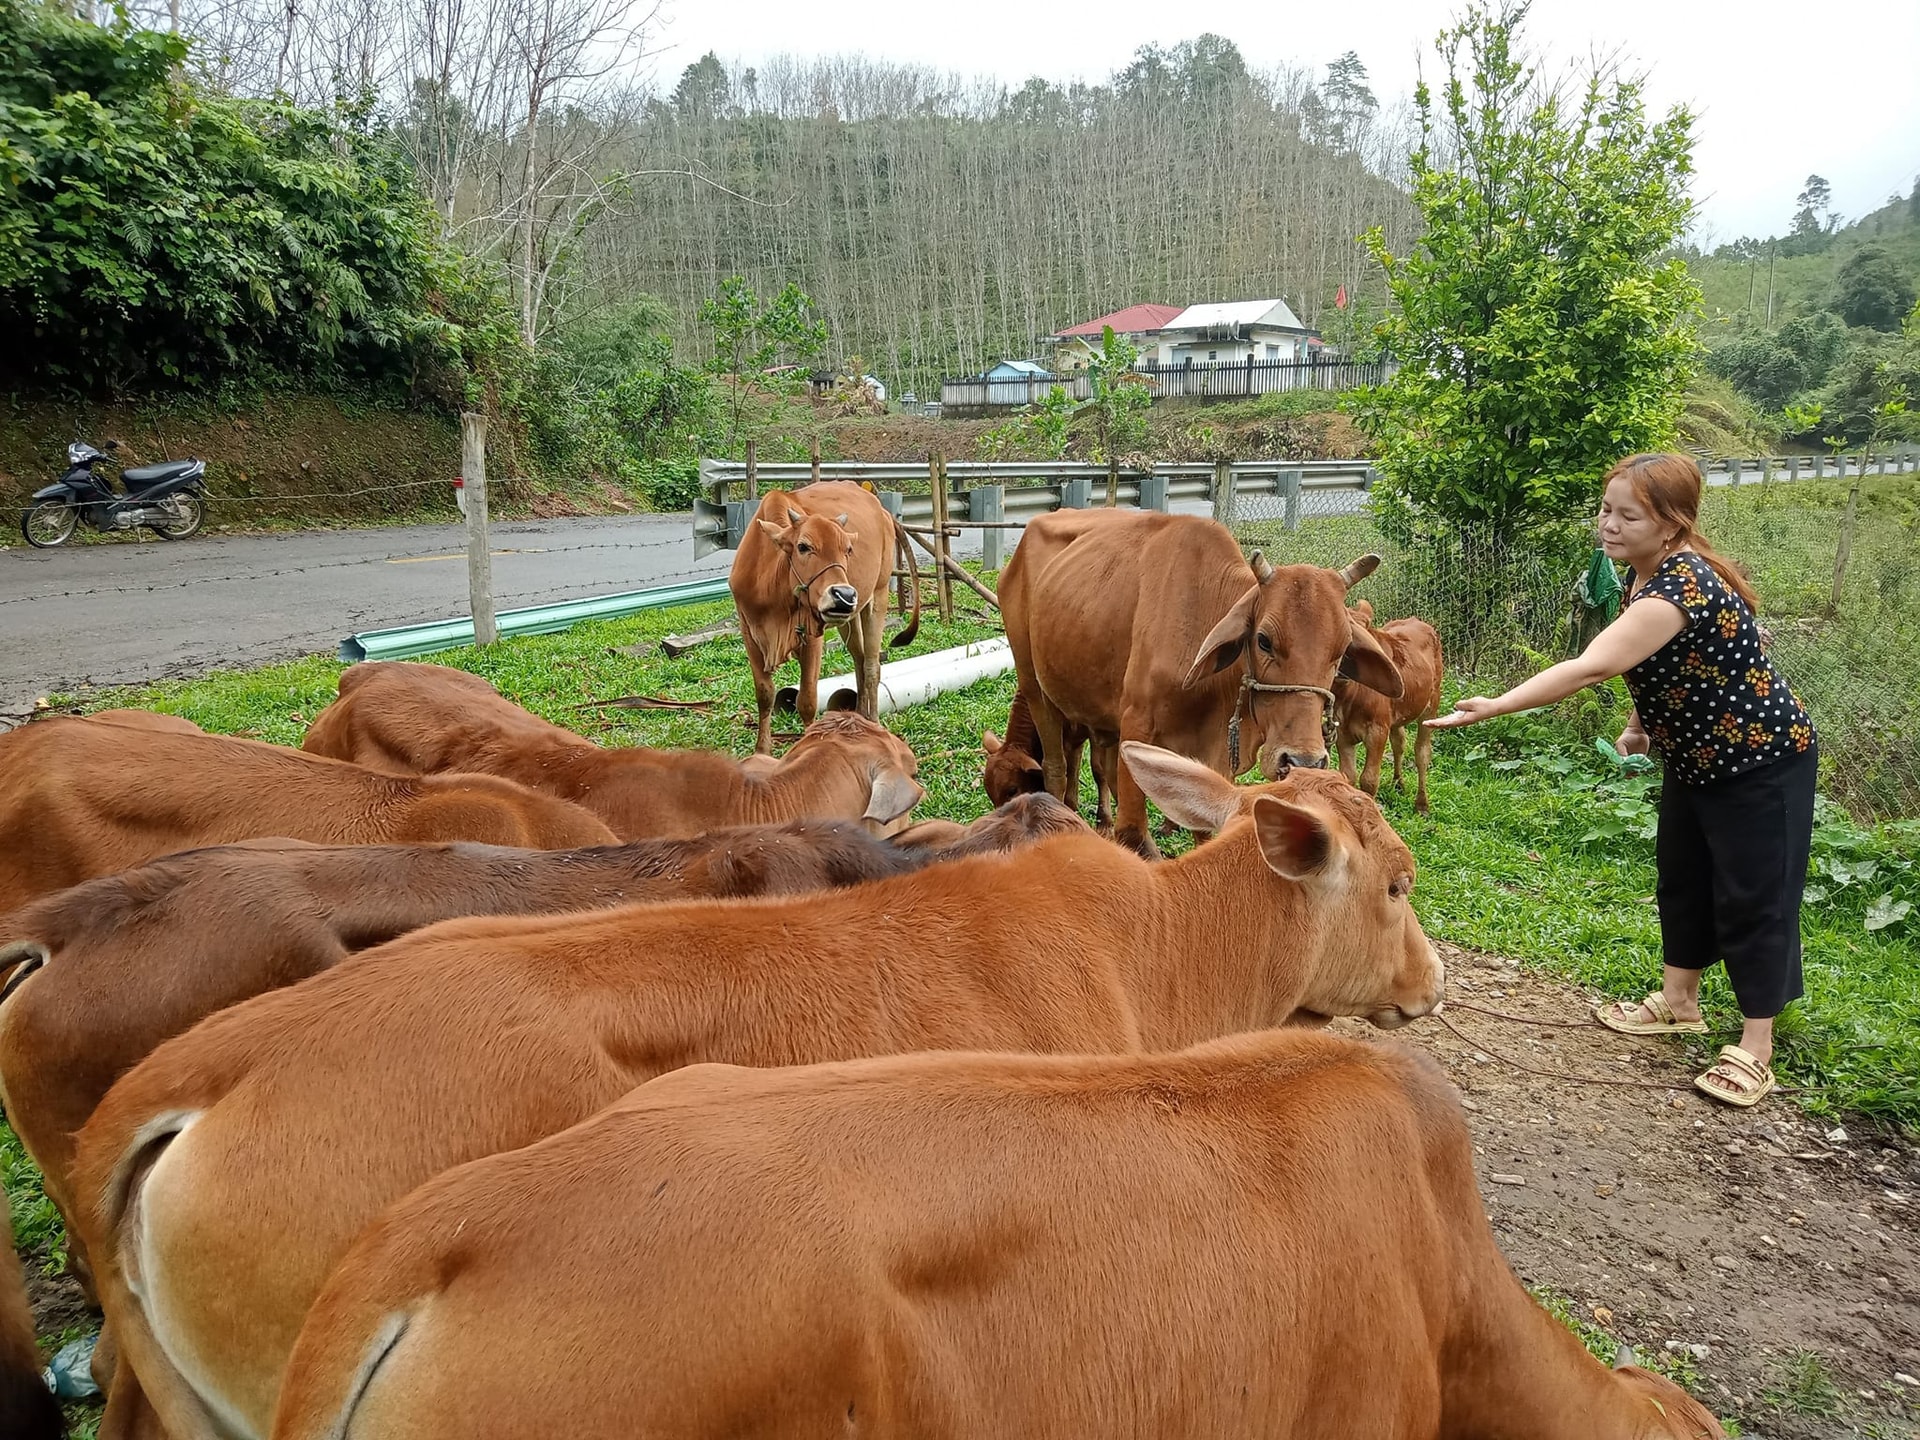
(28, 1410)
(904, 541)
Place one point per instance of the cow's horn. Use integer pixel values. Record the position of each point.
(794, 517)
(1262, 570)
(1360, 569)
(841, 521)
(1624, 1356)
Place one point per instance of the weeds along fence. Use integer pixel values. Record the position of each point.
(1836, 563)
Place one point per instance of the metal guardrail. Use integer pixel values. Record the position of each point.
(988, 490)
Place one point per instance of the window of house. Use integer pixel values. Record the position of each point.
(1273, 352)
(1213, 354)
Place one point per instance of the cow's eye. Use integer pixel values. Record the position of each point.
(804, 548)
(1402, 886)
(1266, 645)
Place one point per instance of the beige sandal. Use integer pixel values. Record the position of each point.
(1740, 1079)
(1618, 1015)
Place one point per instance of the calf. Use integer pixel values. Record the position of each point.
(79, 799)
(28, 1410)
(424, 719)
(221, 1178)
(1271, 1237)
(1014, 762)
(815, 559)
(1140, 626)
(1363, 716)
(98, 975)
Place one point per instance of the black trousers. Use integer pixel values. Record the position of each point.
(1732, 856)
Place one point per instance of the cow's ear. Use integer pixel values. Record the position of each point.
(1296, 842)
(1226, 640)
(772, 530)
(1185, 790)
(893, 794)
(1367, 664)
(991, 742)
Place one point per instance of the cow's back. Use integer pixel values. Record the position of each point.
(959, 1233)
(417, 719)
(1116, 609)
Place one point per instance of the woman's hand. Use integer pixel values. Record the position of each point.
(1470, 711)
(1633, 741)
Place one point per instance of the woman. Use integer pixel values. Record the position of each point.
(1736, 811)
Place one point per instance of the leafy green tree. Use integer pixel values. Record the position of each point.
(1814, 217)
(1873, 289)
(703, 93)
(1771, 370)
(1541, 326)
(154, 234)
(1117, 407)
(749, 335)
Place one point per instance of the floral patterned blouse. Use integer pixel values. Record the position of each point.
(1709, 699)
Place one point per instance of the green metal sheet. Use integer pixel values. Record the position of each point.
(404, 641)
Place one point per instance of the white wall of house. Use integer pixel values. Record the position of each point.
(1263, 344)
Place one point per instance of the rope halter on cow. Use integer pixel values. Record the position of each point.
(1250, 685)
(803, 589)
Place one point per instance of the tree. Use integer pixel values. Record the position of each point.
(748, 335)
(1814, 217)
(1542, 328)
(1117, 405)
(703, 93)
(1873, 289)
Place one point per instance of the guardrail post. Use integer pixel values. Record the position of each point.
(1289, 488)
(473, 466)
(1793, 467)
(1076, 493)
(1734, 467)
(1223, 497)
(1844, 548)
(988, 505)
(753, 473)
(1766, 470)
(1153, 492)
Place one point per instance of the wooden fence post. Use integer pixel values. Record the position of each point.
(1844, 548)
(988, 505)
(813, 460)
(943, 583)
(473, 465)
(1223, 500)
(1113, 481)
(753, 476)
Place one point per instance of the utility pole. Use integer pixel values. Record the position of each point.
(1773, 254)
(473, 464)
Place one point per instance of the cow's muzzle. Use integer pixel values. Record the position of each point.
(841, 602)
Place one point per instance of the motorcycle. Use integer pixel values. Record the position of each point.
(168, 499)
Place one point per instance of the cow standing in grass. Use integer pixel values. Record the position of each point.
(813, 559)
(1366, 717)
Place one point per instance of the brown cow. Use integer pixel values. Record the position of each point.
(816, 558)
(1271, 1237)
(28, 1410)
(221, 1178)
(1143, 626)
(147, 720)
(1363, 716)
(80, 799)
(98, 975)
(1014, 762)
(426, 719)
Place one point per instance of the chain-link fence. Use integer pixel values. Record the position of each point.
(1839, 591)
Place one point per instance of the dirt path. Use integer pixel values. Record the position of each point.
(1732, 1244)
(1673, 1222)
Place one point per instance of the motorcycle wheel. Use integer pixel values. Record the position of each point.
(189, 512)
(49, 523)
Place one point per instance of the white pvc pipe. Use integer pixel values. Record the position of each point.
(919, 678)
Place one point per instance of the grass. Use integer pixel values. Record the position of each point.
(1535, 849)
(1804, 1387)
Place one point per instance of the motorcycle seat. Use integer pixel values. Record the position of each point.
(145, 475)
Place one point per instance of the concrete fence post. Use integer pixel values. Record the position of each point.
(1076, 493)
(988, 505)
(1734, 467)
(1793, 467)
(1153, 492)
(1289, 489)
(473, 466)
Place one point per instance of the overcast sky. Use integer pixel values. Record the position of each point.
(1782, 91)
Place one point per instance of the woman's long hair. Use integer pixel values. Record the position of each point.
(1670, 486)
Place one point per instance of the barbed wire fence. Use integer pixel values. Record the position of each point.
(1836, 563)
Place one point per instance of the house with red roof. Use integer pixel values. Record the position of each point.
(1139, 325)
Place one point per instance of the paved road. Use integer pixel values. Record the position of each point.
(126, 610)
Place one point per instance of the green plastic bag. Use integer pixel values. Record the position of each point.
(1600, 586)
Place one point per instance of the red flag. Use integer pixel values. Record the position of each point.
(1340, 298)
